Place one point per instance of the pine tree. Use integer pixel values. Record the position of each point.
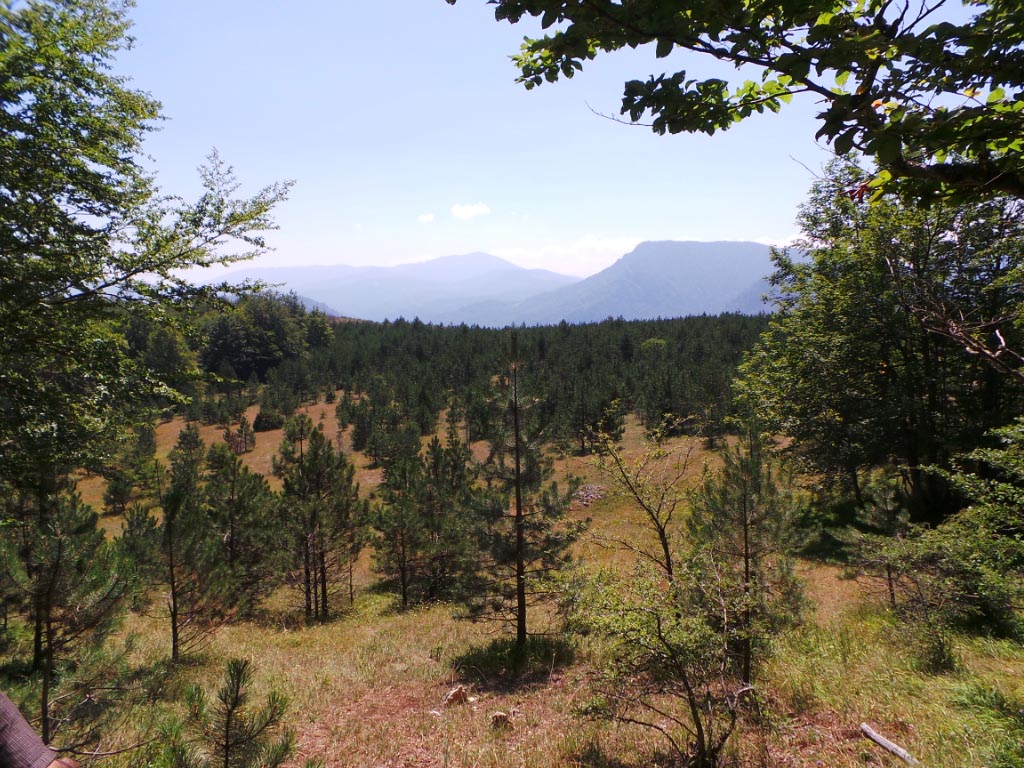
(178, 550)
(402, 534)
(242, 440)
(243, 527)
(228, 733)
(184, 534)
(428, 532)
(743, 522)
(118, 493)
(527, 535)
(72, 581)
(321, 509)
(687, 624)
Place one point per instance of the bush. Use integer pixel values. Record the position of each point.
(268, 419)
(229, 731)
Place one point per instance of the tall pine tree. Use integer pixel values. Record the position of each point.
(527, 534)
(321, 510)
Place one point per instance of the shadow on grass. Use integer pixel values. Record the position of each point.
(593, 756)
(824, 546)
(16, 669)
(289, 619)
(503, 665)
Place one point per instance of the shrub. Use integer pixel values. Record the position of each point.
(268, 419)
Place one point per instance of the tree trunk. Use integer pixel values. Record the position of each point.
(322, 565)
(307, 578)
(858, 495)
(403, 569)
(890, 582)
(37, 638)
(746, 586)
(351, 581)
(47, 681)
(520, 522)
(172, 585)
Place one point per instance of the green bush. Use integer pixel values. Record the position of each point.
(268, 419)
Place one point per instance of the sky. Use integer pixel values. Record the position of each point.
(407, 137)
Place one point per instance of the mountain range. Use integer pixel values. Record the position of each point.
(656, 279)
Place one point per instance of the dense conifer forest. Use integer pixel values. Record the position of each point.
(586, 377)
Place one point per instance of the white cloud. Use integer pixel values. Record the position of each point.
(426, 218)
(466, 212)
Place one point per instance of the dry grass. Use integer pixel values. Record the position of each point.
(854, 663)
(367, 688)
(260, 459)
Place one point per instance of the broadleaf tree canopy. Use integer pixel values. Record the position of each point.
(928, 88)
(86, 242)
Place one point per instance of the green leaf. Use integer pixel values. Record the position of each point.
(904, 73)
(844, 141)
(881, 178)
(888, 148)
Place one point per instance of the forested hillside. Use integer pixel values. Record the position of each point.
(411, 371)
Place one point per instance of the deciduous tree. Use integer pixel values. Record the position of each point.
(930, 90)
(850, 370)
(85, 240)
(684, 637)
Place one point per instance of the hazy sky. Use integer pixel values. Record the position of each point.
(408, 138)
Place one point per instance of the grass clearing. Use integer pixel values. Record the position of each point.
(368, 687)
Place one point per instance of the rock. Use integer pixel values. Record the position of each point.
(588, 494)
(502, 720)
(457, 695)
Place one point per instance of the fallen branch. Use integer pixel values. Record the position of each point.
(884, 743)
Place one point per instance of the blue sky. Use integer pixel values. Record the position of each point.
(408, 138)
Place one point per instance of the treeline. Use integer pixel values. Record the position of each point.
(585, 377)
(205, 540)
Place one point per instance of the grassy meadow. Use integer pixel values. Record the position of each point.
(367, 688)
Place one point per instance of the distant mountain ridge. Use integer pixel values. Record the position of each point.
(657, 279)
(428, 290)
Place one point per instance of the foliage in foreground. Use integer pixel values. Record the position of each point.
(229, 732)
(69, 581)
(930, 93)
(688, 639)
(968, 572)
(853, 367)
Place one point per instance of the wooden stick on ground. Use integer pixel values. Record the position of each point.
(884, 743)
